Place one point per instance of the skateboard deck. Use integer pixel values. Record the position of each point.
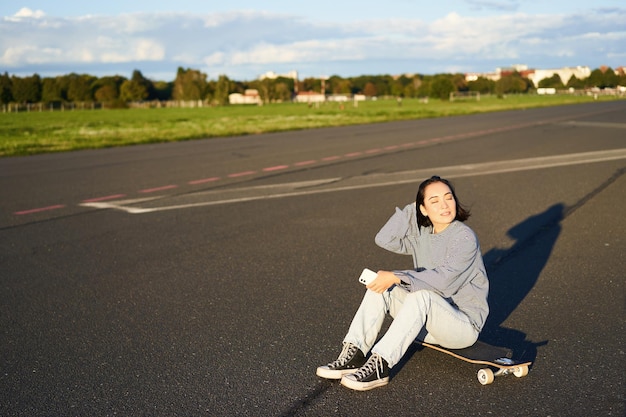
(485, 354)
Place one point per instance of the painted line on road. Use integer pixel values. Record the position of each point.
(203, 181)
(384, 180)
(105, 198)
(303, 163)
(560, 120)
(154, 190)
(241, 174)
(276, 168)
(596, 124)
(39, 210)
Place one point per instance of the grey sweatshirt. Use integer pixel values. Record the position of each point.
(449, 263)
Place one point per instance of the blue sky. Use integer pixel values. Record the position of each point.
(243, 38)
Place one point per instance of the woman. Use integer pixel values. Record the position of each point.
(443, 300)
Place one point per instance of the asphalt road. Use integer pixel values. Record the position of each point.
(212, 277)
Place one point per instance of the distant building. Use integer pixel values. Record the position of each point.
(564, 73)
(338, 97)
(250, 96)
(272, 75)
(534, 75)
(522, 70)
(309, 97)
(473, 76)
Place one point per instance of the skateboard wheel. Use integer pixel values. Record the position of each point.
(485, 376)
(521, 371)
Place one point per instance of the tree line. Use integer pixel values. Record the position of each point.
(193, 85)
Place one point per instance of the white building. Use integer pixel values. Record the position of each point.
(250, 96)
(309, 97)
(534, 75)
(272, 75)
(565, 74)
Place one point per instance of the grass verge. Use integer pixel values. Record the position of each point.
(31, 133)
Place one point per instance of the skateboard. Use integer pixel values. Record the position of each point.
(498, 358)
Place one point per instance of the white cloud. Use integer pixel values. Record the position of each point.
(28, 13)
(250, 43)
(148, 50)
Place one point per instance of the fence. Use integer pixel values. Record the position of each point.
(93, 105)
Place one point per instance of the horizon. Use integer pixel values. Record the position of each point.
(409, 75)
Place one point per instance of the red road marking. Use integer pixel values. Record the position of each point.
(276, 168)
(299, 164)
(108, 197)
(280, 167)
(373, 151)
(37, 210)
(202, 181)
(152, 190)
(241, 174)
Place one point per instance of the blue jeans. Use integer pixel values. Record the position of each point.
(411, 311)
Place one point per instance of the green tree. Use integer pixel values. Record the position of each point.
(27, 89)
(282, 91)
(611, 79)
(222, 90)
(482, 85)
(133, 91)
(107, 89)
(460, 83)
(79, 88)
(424, 88)
(595, 79)
(551, 82)
(441, 87)
(399, 85)
(622, 79)
(381, 85)
(411, 90)
(51, 91)
(106, 94)
(310, 84)
(163, 90)
(512, 84)
(575, 83)
(189, 84)
(6, 86)
(338, 85)
(138, 88)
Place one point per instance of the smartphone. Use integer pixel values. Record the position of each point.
(367, 276)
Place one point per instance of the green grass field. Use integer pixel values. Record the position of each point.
(29, 133)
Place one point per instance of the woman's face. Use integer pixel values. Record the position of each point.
(439, 205)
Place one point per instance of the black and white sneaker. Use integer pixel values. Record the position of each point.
(375, 373)
(350, 359)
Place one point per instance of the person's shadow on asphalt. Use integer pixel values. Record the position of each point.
(514, 272)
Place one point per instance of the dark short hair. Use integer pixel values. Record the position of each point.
(462, 213)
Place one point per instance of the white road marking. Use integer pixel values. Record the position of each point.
(239, 195)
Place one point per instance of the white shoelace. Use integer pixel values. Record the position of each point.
(375, 362)
(346, 354)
